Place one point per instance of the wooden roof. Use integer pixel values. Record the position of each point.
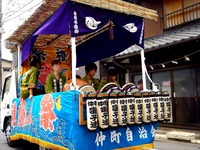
(48, 8)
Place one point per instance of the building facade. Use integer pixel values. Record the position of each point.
(172, 52)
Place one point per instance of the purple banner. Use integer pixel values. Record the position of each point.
(58, 23)
(133, 25)
(86, 19)
(78, 19)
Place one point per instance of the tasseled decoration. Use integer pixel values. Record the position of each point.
(111, 33)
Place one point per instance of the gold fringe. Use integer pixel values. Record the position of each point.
(139, 147)
(42, 143)
(57, 147)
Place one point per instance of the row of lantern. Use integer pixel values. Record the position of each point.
(127, 109)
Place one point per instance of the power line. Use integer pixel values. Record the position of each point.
(21, 13)
(8, 5)
(18, 10)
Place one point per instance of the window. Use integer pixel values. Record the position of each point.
(6, 87)
(185, 83)
(163, 79)
(198, 81)
(6, 69)
(136, 78)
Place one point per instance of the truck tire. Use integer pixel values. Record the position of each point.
(7, 134)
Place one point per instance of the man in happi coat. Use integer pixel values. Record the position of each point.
(112, 77)
(29, 80)
(90, 70)
(55, 81)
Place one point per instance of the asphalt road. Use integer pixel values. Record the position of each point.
(159, 145)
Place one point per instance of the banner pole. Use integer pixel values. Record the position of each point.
(18, 60)
(73, 49)
(143, 70)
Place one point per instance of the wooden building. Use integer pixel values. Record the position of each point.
(172, 52)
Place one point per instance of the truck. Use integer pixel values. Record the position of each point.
(74, 33)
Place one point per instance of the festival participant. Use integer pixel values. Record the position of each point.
(91, 70)
(55, 81)
(140, 85)
(112, 77)
(29, 80)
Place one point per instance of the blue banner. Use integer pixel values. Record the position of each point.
(52, 121)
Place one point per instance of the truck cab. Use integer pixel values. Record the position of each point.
(9, 92)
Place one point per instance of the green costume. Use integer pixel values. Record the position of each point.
(94, 82)
(54, 85)
(105, 81)
(29, 81)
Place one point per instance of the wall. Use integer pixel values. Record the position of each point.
(153, 28)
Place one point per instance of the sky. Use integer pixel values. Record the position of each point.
(15, 12)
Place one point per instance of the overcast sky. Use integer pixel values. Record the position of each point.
(14, 14)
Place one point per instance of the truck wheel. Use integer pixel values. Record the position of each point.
(7, 134)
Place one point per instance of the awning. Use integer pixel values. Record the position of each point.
(100, 32)
(175, 36)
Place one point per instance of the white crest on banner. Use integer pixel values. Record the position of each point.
(91, 23)
(153, 131)
(129, 135)
(131, 27)
(114, 136)
(100, 138)
(143, 133)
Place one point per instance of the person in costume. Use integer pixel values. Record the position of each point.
(28, 87)
(55, 81)
(112, 77)
(91, 70)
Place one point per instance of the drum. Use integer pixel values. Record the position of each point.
(110, 88)
(133, 89)
(81, 85)
(127, 86)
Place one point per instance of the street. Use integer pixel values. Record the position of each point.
(159, 145)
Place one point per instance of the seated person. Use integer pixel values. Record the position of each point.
(55, 81)
(140, 85)
(91, 70)
(29, 80)
(112, 77)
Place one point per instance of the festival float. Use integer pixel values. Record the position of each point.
(77, 32)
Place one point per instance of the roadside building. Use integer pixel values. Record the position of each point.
(172, 52)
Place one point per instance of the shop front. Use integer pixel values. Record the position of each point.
(173, 63)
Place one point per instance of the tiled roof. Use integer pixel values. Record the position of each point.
(167, 38)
